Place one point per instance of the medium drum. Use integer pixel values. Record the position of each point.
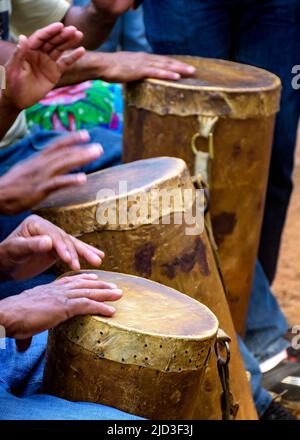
(148, 359)
(221, 123)
(125, 211)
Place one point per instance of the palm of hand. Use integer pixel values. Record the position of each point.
(31, 79)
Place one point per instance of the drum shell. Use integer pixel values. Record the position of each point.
(141, 391)
(148, 359)
(165, 126)
(239, 174)
(166, 254)
(150, 253)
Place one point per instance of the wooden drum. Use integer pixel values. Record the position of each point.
(148, 359)
(165, 243)
(221, 123)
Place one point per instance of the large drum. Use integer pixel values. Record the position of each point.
(221, 123)
(126, 212)
(148, 359)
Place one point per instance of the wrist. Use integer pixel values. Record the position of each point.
(104, 64)
(4, 269)
(97, 65)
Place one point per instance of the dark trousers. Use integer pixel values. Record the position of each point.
(264, 33)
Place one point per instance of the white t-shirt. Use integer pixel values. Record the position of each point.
(25, 17)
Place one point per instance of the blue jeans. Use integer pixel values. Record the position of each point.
(11, 288)
(27, 147)
(261, 397)
(21, 377)
(264, 33)
(266, 324)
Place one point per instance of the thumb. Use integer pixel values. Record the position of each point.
(20, 52)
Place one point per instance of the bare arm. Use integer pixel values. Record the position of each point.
(96, 19)
(9, 114)
(94, 24)
(125, 67)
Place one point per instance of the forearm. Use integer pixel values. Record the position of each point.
(8, 115)
(6, 50)
(95, 24)
(93, 65)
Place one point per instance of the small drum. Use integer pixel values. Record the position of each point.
(148, 359)
(221, 124)
(125, 211)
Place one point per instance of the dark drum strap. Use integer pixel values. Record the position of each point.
(222, 349)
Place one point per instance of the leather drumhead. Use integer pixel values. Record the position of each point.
(137, 175)
(223, 75)
(154, 326)
(152, 308)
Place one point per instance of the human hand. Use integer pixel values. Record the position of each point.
(134, 66)
(32, 180)
(37, 244)
(44, 307)
(38, 63)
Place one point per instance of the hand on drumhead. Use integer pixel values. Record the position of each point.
(38, 63)
(37, 244)
(32, 180)
(44, 307)
(134, 66)
(113, 7)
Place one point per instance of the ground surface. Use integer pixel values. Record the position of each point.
(287, 283)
